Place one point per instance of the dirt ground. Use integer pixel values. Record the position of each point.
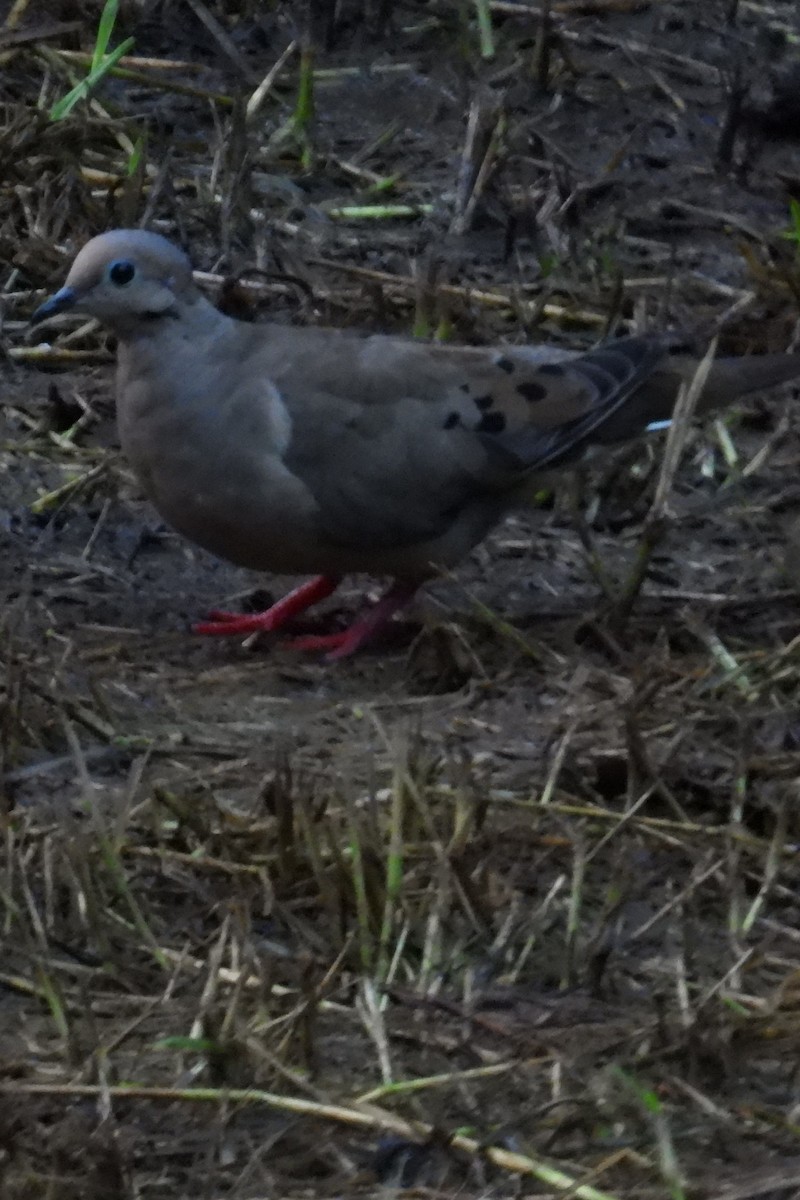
(509, 903)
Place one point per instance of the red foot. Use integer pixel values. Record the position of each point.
(334, 643)
(342, 645)
(226, 624)
(338, 645)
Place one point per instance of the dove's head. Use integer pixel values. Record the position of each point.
(126, 278)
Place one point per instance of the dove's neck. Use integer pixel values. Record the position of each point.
(192, 319)
(171, 362)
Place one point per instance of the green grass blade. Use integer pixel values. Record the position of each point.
(105, 28)
(82, 89)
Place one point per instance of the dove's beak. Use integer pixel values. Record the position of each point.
(58, 303)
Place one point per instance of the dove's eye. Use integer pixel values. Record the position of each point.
(121, 272)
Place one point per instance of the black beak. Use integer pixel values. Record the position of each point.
(60, 302)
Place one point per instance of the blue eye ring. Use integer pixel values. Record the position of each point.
(121, 272)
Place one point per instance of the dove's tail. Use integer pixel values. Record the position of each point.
(651, 405)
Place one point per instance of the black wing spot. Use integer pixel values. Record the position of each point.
(505, 364)
(483, 402)
(492, 422)
(451, 420)
(464, 387)
(554, 369)
(532, 391)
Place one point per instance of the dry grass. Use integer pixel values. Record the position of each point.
(510, 910)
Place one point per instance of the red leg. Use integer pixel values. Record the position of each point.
(222, 624)
(342, 645)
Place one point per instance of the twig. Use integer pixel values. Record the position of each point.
(375, 1120)
(657, 522)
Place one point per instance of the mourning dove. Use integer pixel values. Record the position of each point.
(318, 450)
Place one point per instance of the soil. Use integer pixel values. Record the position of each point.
(597, 918)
